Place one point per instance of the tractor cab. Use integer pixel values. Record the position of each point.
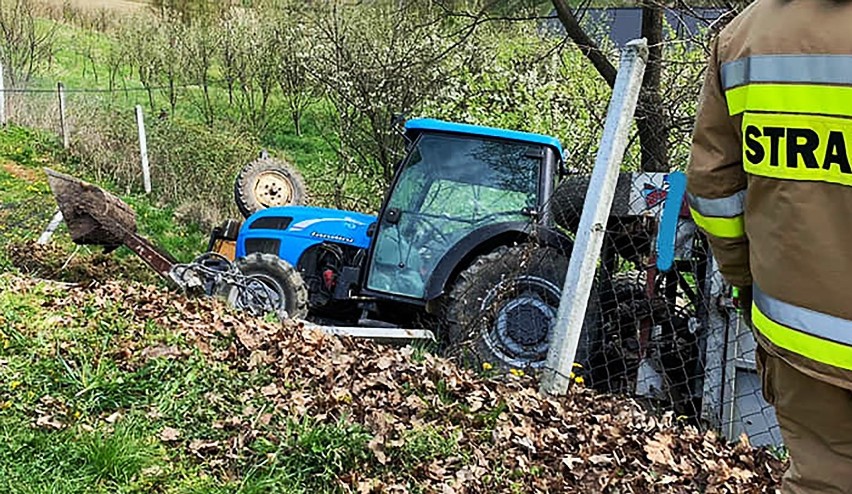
(458, 187)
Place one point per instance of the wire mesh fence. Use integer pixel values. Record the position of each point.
(669, 338)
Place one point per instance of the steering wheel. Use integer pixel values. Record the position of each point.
(420, 218)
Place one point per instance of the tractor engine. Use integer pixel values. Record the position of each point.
(328, 269)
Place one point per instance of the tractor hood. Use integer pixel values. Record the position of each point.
(295, 228)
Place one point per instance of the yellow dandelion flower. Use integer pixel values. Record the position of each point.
(14, 384)
(579, 380)
(577, 364)
(487, 366)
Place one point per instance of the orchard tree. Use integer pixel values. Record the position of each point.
(375, 61)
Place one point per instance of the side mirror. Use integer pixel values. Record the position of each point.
(561, 171)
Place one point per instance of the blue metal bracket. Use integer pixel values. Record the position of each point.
(667, 233)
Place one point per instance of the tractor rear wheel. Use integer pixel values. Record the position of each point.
(267, 182)
(568, 199)
(503, 308)
(273, 282)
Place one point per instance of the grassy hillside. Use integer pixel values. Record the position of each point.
(27, 205)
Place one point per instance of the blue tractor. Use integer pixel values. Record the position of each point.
(472, 241)
(464, 242)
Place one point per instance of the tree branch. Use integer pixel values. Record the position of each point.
(588, 47)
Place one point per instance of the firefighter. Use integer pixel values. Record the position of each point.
(769, 182)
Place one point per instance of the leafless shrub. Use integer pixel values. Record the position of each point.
(36, 110)
(293, 41)
(200, 47)
(26, 45)
(249, 53)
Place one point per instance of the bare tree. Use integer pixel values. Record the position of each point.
(665, 104)
(293, 41)
(651, 118)
(25, 44)
(200, 47)
(249, 52)
(375, 61)
(171, 56)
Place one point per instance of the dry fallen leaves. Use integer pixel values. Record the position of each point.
(160, 351)
(583, 442)
(48, 421)
(169, 434)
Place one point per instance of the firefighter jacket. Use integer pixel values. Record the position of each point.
(769, 179)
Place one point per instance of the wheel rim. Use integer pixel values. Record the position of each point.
(261, 295)
(521, 314)
(273, 189)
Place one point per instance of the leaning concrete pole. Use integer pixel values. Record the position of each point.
(587, 244)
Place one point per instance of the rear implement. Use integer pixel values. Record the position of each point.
(96, 217)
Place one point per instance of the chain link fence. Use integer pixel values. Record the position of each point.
(670, 339)
(192, 166)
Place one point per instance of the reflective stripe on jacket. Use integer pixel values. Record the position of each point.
(770, 179)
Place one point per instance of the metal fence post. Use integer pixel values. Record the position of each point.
(143, 149)
(63, 123)
(2, 96)
(44, 238)
(587, 245)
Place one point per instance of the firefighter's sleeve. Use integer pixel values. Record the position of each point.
(716, 180)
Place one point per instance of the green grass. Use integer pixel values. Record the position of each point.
(426, 444)
(27, 204)
(79, 414)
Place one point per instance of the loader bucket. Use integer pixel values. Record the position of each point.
(93, 216)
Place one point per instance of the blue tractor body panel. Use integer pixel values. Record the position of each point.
(417, 126)
(298, 228)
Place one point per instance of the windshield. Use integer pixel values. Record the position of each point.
(449, 186)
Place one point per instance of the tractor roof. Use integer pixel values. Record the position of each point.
(418, 125)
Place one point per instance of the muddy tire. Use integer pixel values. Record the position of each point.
(280, 276)
(268, 182)
(568, 197)
(502, 309)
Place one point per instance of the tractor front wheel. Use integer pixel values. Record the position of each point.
(502, 309)
(268, 182)
(271, 282)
